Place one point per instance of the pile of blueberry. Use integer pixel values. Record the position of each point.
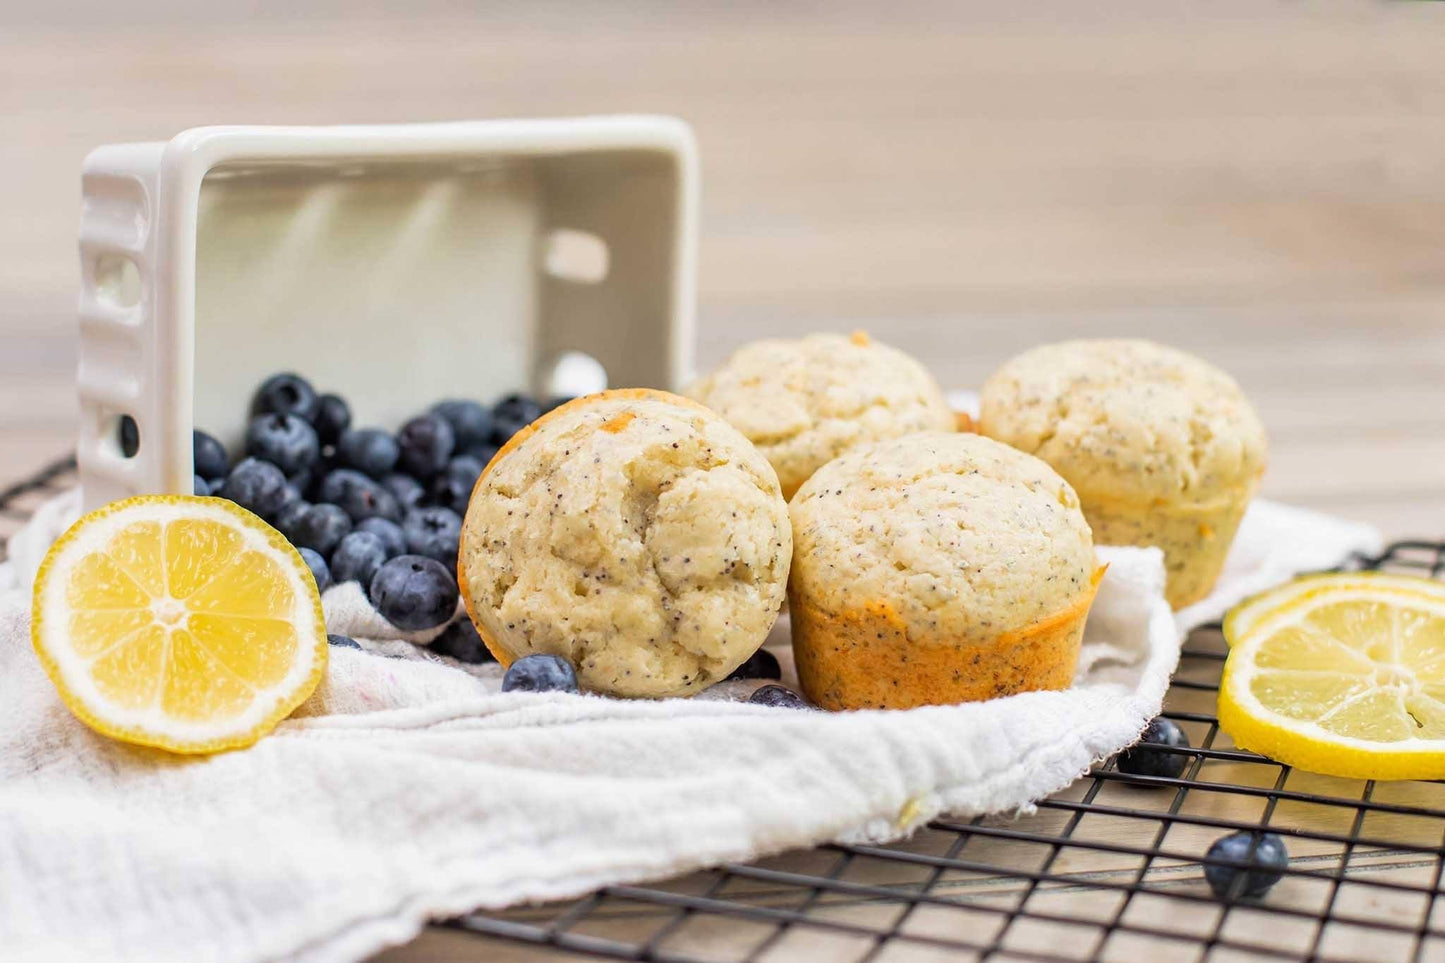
(364, 504)
(385, 510)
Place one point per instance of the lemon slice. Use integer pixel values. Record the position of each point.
(1244, 615)
(1343, 675)
(178, 622)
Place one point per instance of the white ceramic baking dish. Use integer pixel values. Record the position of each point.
(393, 264)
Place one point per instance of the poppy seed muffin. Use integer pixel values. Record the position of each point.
(1163, 448)
(634, 533)
(804, 402)
(936, 568)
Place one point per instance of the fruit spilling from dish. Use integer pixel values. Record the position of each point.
(362, 504)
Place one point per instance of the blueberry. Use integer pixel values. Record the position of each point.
(256, 485)
(285, 394)
(288, 517)
(317, 527)
(200, 486)
(357, 557)
(453, 487)
(368, 450)
(465, 466)
(317, 564)
(515, 405)
(342, 641)
(129, 436)
(461, 641)
(333, 417)
(511, 415)
(762, 664)
(361, 497)
(1260, 872)
(216, 484)
(434, 532)
(290, 498)
(426, 443)
(286, 441)
(778, 696)
(1146, 759)
(482, 453)
(392, 539)
(540, 673)
(471, 422)
(412, 592)
(209, 456)
(308, 480)
(408, 491)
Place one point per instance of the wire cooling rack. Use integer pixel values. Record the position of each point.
(1110, 869)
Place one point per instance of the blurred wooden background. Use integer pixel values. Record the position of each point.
(1262, 183)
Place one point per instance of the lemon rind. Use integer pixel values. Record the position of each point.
(1259, 605)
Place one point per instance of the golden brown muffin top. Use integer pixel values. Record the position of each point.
(805, 401)
(961, 537)
(1128, 420)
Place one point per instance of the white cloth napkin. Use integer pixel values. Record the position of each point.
(406, 790)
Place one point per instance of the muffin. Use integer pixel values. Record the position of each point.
(934, 569)
(1163, 448)
(634, 533)
(804, 402)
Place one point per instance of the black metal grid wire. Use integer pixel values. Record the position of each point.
(1109, 869)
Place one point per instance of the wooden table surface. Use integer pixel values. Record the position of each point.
(1263, 184)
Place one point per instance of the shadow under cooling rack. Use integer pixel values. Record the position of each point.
(1110, 868)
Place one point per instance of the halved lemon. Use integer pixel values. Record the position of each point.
(179, 622)
(1343, 675)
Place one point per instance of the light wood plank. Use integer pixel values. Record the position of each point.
(1258, 183)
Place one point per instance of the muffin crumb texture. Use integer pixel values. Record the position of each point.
(1162, 447)
(634, 533)
(803, 402)
(1127, 420)
(936, 568)
(963, 537)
